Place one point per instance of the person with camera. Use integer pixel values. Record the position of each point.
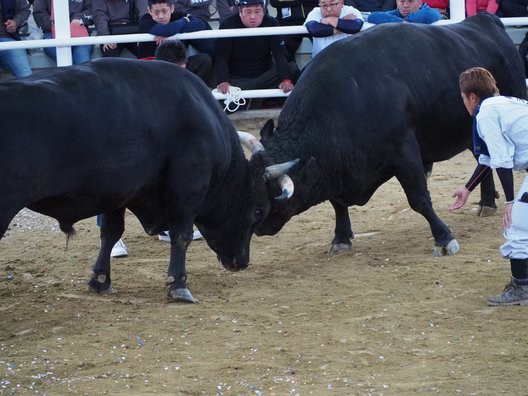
(115, 17)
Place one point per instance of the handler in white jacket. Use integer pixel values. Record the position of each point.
(500, 142)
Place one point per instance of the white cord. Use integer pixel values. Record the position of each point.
(232, 96)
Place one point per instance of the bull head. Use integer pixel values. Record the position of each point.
(272, 172)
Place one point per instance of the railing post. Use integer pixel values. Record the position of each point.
(457, 10)
(61, 12)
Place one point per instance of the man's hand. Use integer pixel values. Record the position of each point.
(10, 25)
(286, 86)
(223, 87)
(159, 39)
(332, 21)
(109, 46)
(461, 194)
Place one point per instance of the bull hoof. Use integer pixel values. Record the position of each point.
(487, 211)
(100, 283)
(450, 249)
(181, 295)
(339, 248)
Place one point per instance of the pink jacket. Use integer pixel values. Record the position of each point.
(474, 6)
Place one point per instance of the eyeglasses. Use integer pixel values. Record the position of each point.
(331, 5)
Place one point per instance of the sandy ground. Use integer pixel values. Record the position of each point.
(384, 319)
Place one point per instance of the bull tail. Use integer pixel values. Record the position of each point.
(68, 229)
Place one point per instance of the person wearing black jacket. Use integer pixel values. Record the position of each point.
(255, 62)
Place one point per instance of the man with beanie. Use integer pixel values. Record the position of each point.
(500, 142)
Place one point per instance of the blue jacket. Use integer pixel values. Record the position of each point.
(425, 14)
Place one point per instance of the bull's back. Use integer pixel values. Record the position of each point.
(108, 119)
(387, 80)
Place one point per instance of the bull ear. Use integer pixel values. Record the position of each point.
(267, 131)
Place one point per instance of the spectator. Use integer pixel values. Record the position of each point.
(407, 11)
(500, 142)
(13, 15)
(475, 6)
(512, 8)
(174, 51)
(293, 13)
(247, 62)
(330, 22)
(118, 17)
(372, 5)
(80, 14)
(163, 21)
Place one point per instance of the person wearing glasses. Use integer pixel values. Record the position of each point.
(330, 22)
(415, 11)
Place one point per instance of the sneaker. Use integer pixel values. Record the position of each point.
(164, 236)
(513, 294)
(197, 235)
(119, 250)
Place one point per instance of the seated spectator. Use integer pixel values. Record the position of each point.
(247, 62)
(13, 15)
(112, 16)
(174, 51)
(80, 14)
(293, 13)
(372, 5)
(162, 20)
(512, 8)
(407, 11)
(475, 6)
(330, 22)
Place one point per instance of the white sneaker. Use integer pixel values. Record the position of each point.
(197, 235)
(119, 250)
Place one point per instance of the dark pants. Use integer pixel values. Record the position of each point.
(202, 66)
(132, 47)
(268, 80)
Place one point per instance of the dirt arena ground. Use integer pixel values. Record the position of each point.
(384, 319)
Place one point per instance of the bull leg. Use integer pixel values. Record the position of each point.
(488, 194)
(410, 174)
(176, 273)
(112, 228)
(343, 229)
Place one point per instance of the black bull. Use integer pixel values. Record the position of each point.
(147, 136)
(385, 103)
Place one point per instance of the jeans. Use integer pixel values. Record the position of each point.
(80, 53)
(15, 60)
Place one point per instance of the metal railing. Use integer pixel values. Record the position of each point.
(63, 42)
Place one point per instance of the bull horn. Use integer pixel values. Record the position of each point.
(278, 172)
(286, 184)
(273, 172)
(250, 142)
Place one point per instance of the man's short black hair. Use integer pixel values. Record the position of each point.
(173, 51)
(168, 2)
